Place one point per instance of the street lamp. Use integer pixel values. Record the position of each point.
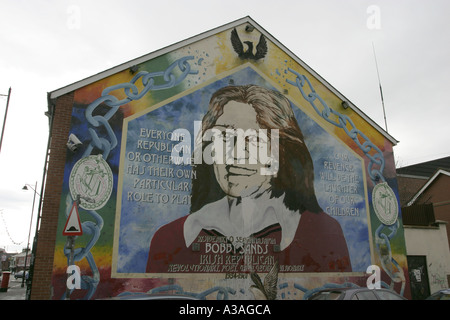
(29, 232)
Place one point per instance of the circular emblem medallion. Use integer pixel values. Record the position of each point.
(91, 178)
(385, 204)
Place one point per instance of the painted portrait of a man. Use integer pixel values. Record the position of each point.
(241, 220)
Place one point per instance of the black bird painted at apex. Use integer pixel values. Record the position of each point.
(261, 47)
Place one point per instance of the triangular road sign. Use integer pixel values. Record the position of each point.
(73, 224)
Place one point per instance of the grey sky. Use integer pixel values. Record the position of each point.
(46, 45)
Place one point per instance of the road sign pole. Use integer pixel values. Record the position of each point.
(71, 246)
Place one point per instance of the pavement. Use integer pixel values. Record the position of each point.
(14, 291)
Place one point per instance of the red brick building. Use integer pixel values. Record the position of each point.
(427, 183)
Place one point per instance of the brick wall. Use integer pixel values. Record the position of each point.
(41, 287)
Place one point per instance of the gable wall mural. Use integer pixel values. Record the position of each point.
(224, 169)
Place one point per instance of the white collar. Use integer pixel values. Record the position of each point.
(243, 219)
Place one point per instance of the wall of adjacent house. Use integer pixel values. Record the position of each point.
(438, 194)
(431, 242)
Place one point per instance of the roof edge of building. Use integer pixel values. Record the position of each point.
(126, 65)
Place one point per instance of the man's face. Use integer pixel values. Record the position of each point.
(240, 179)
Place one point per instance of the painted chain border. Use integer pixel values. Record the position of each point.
(375, 155)
(105, 146)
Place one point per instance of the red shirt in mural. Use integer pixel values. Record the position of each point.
(318, 245)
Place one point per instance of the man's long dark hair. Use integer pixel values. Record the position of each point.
(295, 177)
